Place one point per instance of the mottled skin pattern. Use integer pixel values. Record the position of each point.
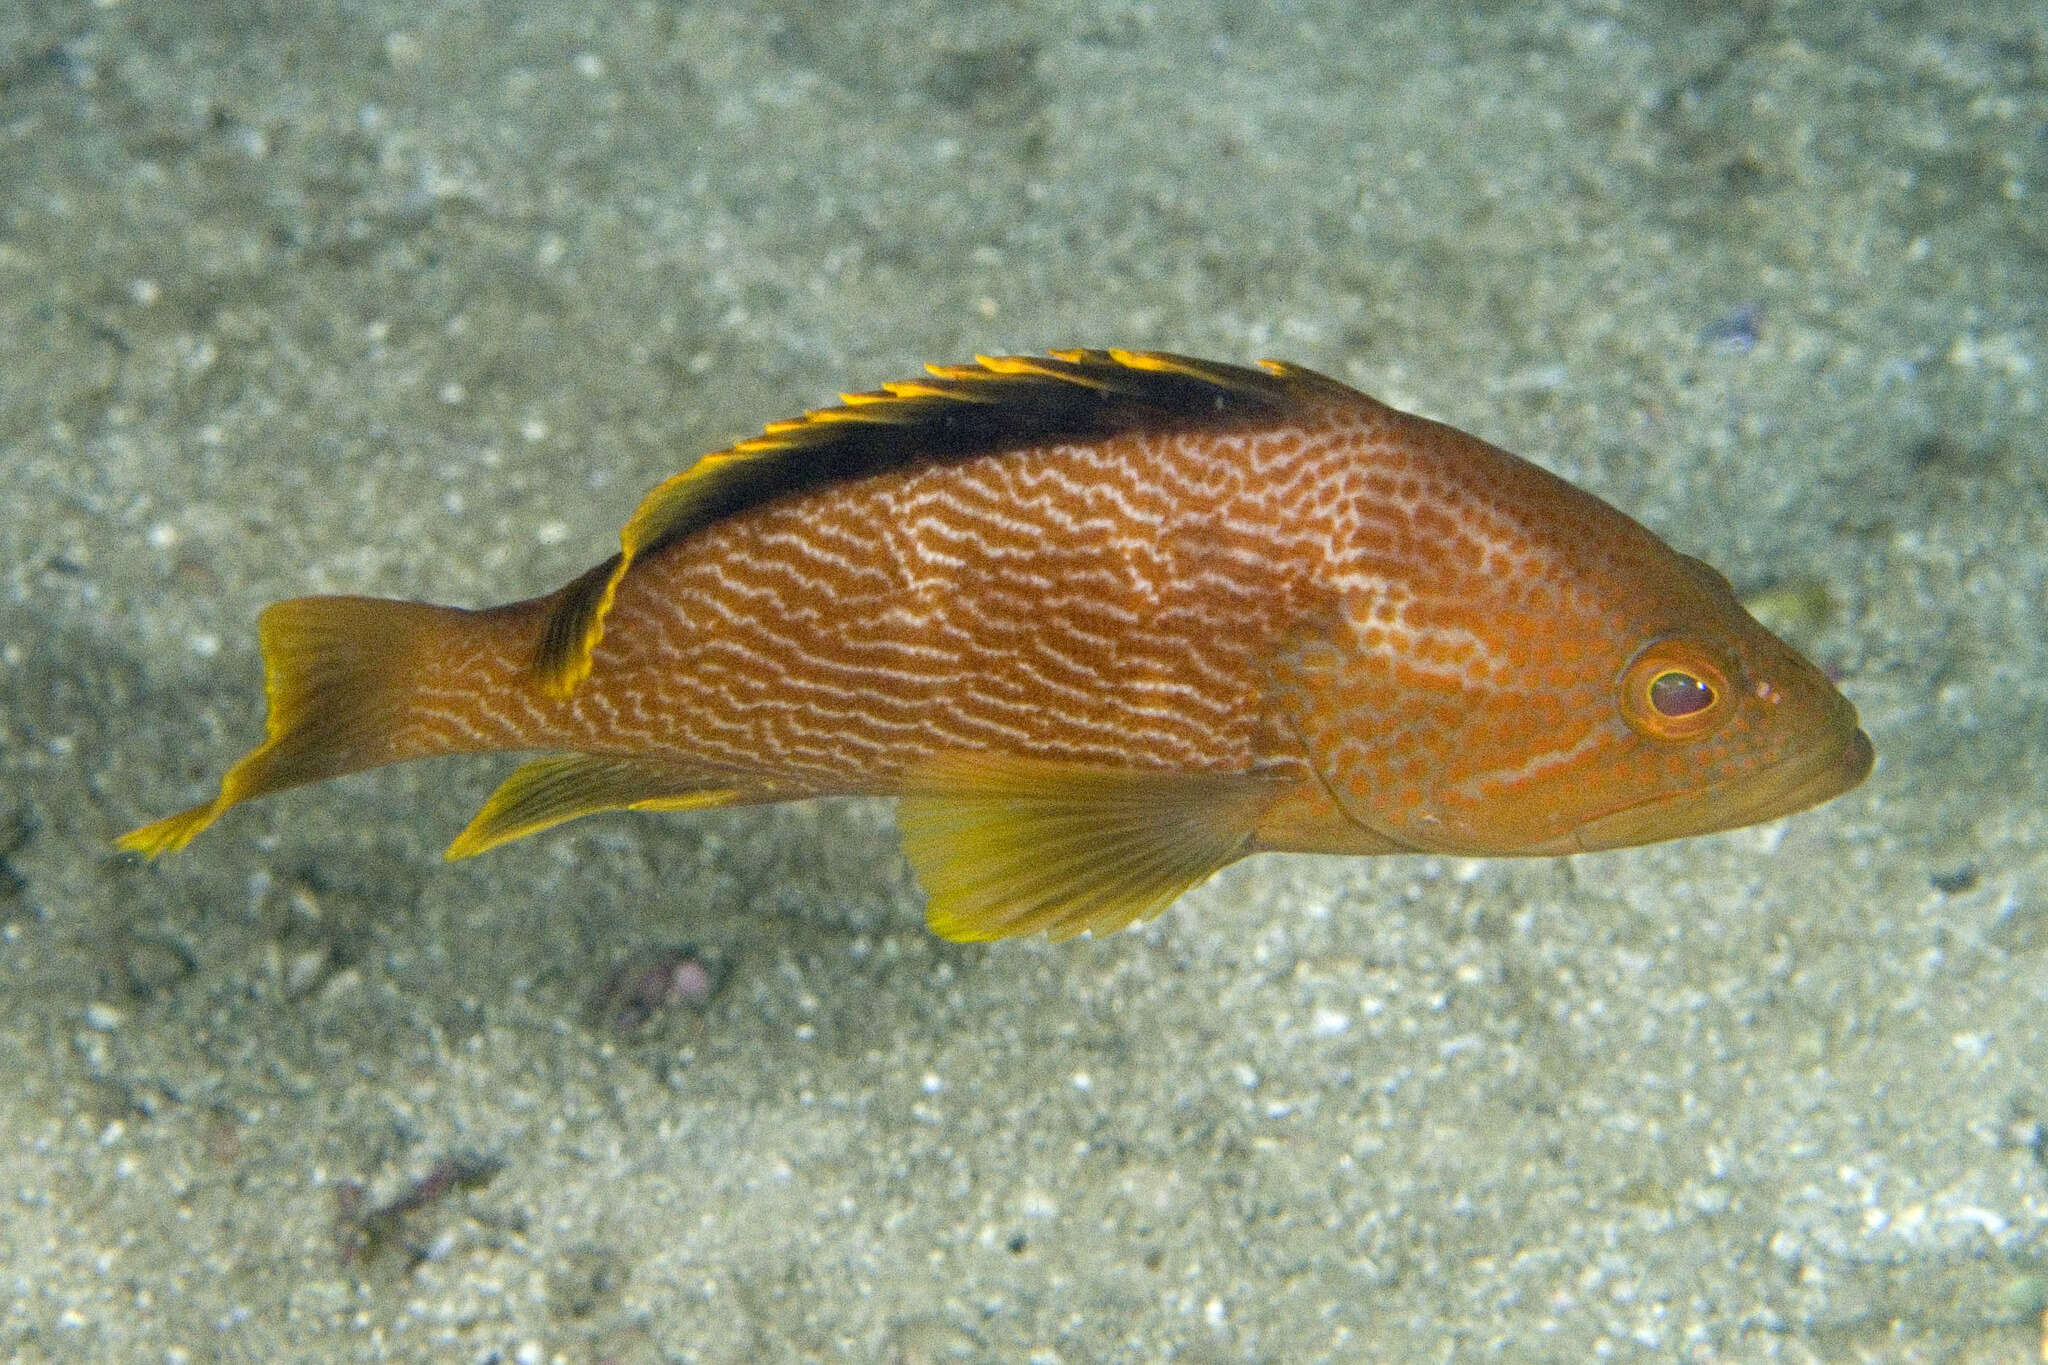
(1421, 638)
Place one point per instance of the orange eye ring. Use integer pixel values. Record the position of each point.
(1675, 690)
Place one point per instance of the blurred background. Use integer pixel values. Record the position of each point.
(416, 300)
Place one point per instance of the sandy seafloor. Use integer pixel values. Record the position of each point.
(417, 299)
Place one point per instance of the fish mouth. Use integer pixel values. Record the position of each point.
(1803, 781)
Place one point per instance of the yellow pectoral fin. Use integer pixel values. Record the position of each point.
(549, 791)
(1011, 846)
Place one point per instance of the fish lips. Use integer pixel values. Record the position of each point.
(1807, 779)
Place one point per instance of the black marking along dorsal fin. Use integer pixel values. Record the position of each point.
(961, 411)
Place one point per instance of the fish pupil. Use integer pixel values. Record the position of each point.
(1675, 694)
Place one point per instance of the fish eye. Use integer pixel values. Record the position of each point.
(1675, 690)
(1675, 693)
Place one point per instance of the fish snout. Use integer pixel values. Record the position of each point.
(1810, 777)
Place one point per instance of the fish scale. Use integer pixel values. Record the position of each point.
(1105, 622)
(970, 665)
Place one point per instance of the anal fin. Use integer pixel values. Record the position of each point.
(1010, 846)
(549, 791)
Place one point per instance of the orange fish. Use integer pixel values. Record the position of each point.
(1105, 622)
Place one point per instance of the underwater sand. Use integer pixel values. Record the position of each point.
(416, 300)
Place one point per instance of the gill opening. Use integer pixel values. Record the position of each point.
(1337, 799)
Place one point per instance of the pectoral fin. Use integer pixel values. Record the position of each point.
(1011, 846)
(548, 791)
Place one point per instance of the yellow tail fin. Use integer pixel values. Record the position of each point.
(340, 674)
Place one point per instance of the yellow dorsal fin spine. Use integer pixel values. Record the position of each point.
(962, 411)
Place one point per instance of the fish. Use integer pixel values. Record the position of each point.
(1104, 622)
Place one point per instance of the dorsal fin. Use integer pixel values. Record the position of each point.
(997, 403)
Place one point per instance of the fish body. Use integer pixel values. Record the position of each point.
(1106, 622)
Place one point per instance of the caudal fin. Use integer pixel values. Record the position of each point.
(341, 674)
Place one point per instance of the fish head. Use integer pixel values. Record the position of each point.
(1722, 724)
(1570, 684)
